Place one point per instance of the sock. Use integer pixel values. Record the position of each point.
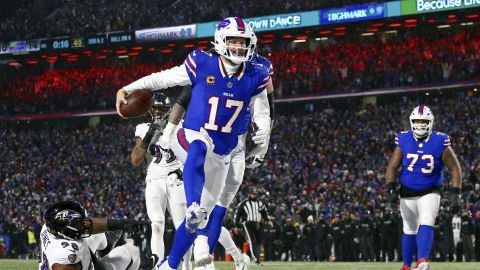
(424, 241)
(181, 243)
(216, 221)
(193, 172)
(408, 248)
(227, 242)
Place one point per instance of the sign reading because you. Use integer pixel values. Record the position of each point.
(423, 6)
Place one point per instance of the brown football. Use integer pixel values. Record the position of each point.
(138, 103)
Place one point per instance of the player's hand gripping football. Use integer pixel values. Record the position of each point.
(121, 98)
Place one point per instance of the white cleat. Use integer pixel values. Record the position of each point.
(210, 266)
(195, 218)
(243, 263)
(163, 265)
(201, 251)
(422, 264)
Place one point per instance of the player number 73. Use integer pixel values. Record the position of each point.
(414, 158)
(213, 101)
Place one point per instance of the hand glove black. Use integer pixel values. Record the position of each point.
(454, 199)
(148, 137)
(392, 192)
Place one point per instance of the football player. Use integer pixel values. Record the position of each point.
(224, 85)
(235, 171)
(164, 186)
(422, 153)
(69, 240)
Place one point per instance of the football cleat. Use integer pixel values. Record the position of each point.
(422, 264)
(163, 265)
(210, 266)
(405, 267)
(201, 251)
(243, 263)
(196, 217)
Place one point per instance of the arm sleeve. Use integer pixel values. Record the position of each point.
(272, 106)
(260, 110)
(184, 98)
(446, 141)
(176, 76)
(397, 142)
(141, 130)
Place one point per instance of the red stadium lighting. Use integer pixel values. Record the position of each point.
(325, 32)
(73, 56)
(87, 52)
(152, 49)
(203, 41)
(377, 24)
(13, 64)
(134, 54)
(410, 25)
(65, 54)
(104, 51)
(137, 48)
(121, 51)
(33, 62)
(339, 34)
(265, 41)
(451, 16)
(372, 30)
(395, 25)
(301, 38)
(308, 31)
(51, 60)
(452, 21)
(189, 45)
(44, 56)
(472, 16)
(340, 28)
(72, 59)
(411, 21)
(287, 36)
(171, 44)
(166, 51)
(431, 21)
(101, 57)
(268, 35)
(202, 48)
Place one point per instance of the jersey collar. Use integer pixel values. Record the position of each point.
(223, 71)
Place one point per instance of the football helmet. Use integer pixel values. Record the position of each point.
(421, 130)
(68, 219)
(160, 107)
(234, 27)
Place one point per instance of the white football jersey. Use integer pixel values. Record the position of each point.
(63, 251)
(158, 165)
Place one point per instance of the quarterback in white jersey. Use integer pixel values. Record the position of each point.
(69, 241)
(164, 186)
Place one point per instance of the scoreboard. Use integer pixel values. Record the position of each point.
(88, 42)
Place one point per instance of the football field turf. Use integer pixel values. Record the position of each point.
(32, 265)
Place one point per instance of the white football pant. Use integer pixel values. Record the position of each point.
(417, 211)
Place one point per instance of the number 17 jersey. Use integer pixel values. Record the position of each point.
(422, 166)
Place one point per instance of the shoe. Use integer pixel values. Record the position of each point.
(201, 251)
(243, 263)
(405, 267)
(195, 218)
(163, 265)
(147, 263)
(210, 266)
(422, 264)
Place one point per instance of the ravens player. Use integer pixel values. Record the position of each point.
(164, 186)
(422, 153)
(69, 240)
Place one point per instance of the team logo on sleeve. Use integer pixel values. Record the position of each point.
(210, 80)
(72, 258)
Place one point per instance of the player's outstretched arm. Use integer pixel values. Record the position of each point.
(138, 153)
(390, 174)
(271, 99)
(261, 116)
(101, 225)
(450, 160)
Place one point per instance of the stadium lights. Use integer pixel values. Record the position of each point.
(377, 24)
(137, 48)
(466, 23)
(431, 21)
(368, 34)
(152, 49)
(189, 45)
(472, 16)
(395, 25)
(268, 36)
(391, 32)
(33, 62)
(325, 32)
(203, 42)
(410, 25)
(321, 38)
(166, 51)
(121, 51)
(372, 30)
(411, 21)
(443, 26)
(300, 40)
(287, 36)
(171, 44)
(475, 89)
(451, 16)
(122, 56)
(134, 54)
(265, 41)
(13, 64)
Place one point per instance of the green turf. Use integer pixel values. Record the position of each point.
(32, 265)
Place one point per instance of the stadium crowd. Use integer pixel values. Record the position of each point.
(346, 66)
(30, 19)
(322, 179)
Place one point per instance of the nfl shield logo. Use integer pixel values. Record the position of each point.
(72, 258)
(229, 84)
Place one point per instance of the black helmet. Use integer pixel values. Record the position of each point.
(68, 219)
(160, 107)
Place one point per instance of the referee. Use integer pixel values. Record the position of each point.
(250, 214)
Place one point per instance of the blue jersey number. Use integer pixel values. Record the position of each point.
(213, 101)
(414, 157)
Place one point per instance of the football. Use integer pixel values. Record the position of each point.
(138, 103)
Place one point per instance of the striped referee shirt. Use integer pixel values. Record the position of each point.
(251, 211)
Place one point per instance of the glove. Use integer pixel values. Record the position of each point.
(392, 192)
(175, 178)
(253, 162)
(454, 199)
(260, 136)
(148, 137)
(257, 155)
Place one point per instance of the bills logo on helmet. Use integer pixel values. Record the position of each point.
(223, 24)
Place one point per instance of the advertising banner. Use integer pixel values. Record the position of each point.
(166, 33)
(424, 6)
(353, 13)
(21, 46)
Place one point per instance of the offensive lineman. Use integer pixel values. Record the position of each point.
(210, 130)
(69, 240)
(164, 186)
(422, 153)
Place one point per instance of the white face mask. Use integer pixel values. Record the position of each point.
(420, 129)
